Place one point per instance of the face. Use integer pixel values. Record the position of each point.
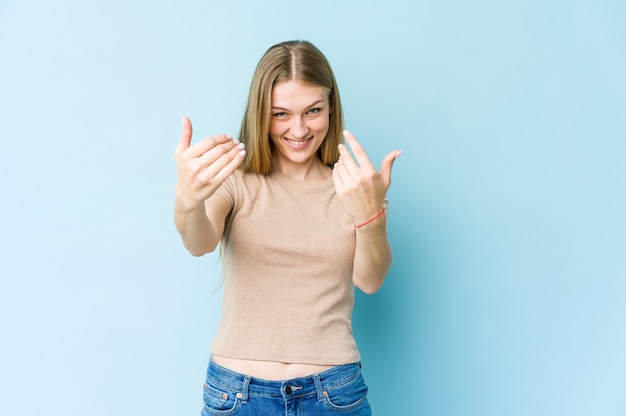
(299, 122)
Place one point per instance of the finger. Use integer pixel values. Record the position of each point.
(185, 136)
(231, 166)
(337, 179)
(344, 158)
(223, 166)
(387, 165)
(357, 149)
(208, 143)
(346, 161)
(230, 147)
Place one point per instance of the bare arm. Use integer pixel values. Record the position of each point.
(362, 190)
(198, 214)
(201, 228)
(372, 258)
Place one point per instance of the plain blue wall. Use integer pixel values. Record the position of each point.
(507, 207)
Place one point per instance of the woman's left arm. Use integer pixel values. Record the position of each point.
(362, 189)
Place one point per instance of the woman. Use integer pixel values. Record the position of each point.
(300, 222)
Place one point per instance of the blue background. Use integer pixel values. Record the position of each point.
(507, 219)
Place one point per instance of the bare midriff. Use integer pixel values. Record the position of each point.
(269, 370)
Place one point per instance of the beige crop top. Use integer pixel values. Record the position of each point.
(288, 253)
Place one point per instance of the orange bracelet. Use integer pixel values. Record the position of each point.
(382, 211)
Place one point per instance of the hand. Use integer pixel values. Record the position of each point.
(359, 186)
(203, 167)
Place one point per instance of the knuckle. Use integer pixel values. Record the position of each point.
(185, 157)
(353, 187)
(226, 147)
(204, 177)
(368, 174)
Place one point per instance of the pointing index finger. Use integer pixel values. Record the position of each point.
(357, 149)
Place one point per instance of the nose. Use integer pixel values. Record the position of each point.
(298, 128)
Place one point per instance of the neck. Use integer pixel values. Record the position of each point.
(314, 170)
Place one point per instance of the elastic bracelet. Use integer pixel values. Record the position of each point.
(382, 211)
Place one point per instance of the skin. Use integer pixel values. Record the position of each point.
(202, 168)
(299, 124)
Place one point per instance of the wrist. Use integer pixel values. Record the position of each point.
(373, 218)
(188, 205)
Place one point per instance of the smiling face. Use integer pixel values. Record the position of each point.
(300, 117)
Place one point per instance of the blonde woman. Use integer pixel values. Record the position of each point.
(300, 222)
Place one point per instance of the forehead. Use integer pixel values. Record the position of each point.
(296, 94)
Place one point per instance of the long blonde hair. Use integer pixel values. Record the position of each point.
(297, 60)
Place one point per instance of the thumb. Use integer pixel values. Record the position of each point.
(387, 165)
(185, 136)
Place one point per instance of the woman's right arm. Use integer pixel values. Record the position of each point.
(202, 168)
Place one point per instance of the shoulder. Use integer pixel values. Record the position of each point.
(245, 184)
(247, 179)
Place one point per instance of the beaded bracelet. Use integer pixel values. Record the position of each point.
(382, 211)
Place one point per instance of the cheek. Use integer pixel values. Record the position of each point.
(275, 128)
(321, 124)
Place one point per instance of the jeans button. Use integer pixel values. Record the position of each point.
(288, 389)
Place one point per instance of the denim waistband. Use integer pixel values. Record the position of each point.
(302, 386)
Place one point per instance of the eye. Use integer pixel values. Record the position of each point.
(279, 114)
(315, 110)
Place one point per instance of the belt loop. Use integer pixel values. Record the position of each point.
(318, 387)
(244, 389)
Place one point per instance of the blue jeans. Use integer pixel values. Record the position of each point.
(340, 390)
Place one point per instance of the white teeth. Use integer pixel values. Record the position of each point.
(297, 142)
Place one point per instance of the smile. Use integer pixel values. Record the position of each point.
(297, 142)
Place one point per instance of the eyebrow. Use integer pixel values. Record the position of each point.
(308, 106)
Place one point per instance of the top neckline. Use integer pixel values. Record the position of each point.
(298, 184)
